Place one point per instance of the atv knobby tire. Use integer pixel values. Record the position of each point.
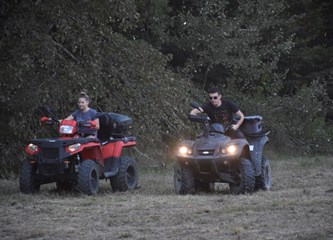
(27, 178)
(183, 179)
(127, 176)
(264, 180)
(88, 177)
(246, 178)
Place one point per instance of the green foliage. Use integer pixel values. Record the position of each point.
(297, 123)
(238, 43)
(64, 49)
(149, 59)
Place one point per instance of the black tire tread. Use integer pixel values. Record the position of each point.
(247, 178)
(185, 175)
(27, 178)
(261, 180)
(84, 184)
(120, 181)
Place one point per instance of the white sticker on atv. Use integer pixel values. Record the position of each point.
(251, 147)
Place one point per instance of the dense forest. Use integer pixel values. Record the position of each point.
(149, 58)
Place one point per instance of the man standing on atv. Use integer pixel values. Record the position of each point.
(222, 111)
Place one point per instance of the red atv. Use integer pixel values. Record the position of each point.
(78, 163)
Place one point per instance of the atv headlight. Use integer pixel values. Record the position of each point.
(74, 147)
(184, 150)
(229, 149)
(66, 129)
(32, 149)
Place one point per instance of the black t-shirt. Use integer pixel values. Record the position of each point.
(222, 114)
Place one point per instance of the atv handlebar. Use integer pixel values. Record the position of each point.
(48, 121)
(199, 119)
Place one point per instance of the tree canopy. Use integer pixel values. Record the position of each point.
(148, 59)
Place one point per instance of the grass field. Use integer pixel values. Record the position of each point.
(299, 206)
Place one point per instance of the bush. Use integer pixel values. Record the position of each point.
(297, 123)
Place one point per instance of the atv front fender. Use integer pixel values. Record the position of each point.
(242, 148)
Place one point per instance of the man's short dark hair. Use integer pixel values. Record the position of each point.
(214, 90)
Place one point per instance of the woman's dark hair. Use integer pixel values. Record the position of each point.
(85, 96)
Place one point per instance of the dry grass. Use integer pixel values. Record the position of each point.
(299, 206)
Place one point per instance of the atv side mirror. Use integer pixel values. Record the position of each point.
(194, 104)
(48, 112)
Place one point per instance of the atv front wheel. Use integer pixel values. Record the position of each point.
(88, 178)
(264, 181)
(28, 178)
(246, 178)
(183, 179)
(127, 176)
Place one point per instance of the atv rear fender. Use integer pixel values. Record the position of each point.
(256, 146)
(115, 149)
(92, 152)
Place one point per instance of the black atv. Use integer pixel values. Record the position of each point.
(214, 157)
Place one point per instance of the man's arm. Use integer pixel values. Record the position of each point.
(240, 121)
(196, 111)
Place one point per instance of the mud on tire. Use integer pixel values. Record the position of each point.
(88, 177)
(183, 179)
(27, 178)
(246, 178)
(127, 176)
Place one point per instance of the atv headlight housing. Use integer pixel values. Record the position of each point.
(66, 129)
(231, 149)
(32, 149)
(73, 147)
(184, 150)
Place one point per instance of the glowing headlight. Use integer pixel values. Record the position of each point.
(65, 129)
(230, 149)
(33, 147)
(74, 147)
(183, 150)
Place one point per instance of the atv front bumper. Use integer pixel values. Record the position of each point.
(213, 167)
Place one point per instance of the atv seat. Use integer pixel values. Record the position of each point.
(113, 126)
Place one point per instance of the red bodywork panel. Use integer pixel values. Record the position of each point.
(71, 123)
(92, 153)
(91, 150)
(115, 149)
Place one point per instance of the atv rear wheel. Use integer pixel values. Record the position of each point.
(183, 179)
(28, 178)
(88, 177)
(246, 178)
(127, 176)
(264, 181)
